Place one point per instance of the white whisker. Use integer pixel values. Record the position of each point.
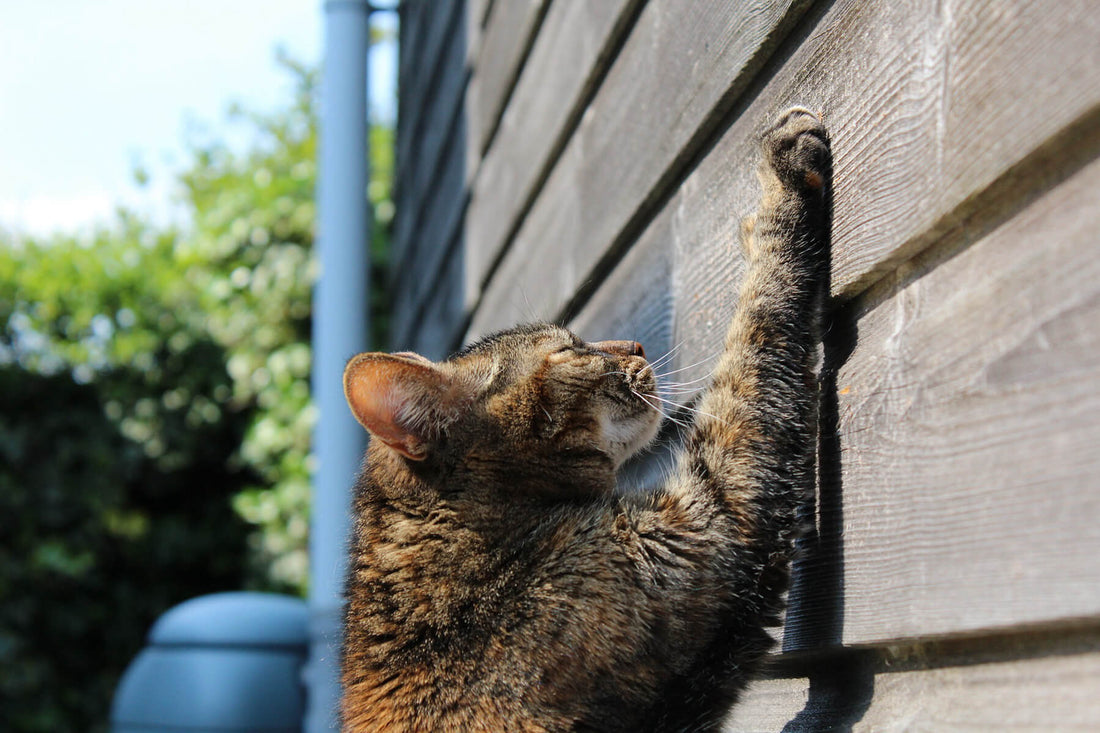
(685, 368)
(686, 386)
(652, 366)
(693, 410)
(659, 411)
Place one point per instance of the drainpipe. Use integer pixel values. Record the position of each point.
(339, 332)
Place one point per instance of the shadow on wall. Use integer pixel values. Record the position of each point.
(842, 686)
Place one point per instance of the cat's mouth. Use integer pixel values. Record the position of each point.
(634, 426)
(643, 385)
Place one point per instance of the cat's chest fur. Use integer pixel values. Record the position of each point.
(453, 622)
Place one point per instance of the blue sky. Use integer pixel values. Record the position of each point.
(89, 88)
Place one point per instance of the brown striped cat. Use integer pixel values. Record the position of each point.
(499, 582)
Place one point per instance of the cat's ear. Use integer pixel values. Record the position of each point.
(404, 400)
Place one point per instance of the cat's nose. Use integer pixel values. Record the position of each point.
(621, 348)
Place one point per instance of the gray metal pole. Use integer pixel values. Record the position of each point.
(339, 331)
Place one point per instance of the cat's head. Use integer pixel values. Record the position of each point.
(534, 400)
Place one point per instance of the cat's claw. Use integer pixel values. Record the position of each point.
(796, 147)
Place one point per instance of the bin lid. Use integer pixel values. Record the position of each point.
(237, 619)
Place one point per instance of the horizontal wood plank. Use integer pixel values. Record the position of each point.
(953, 585)
(567, 57)
(969, 417)
(1040, 695)
(408, 36)
(437, 128)
(637, 302)
(434, 23)
(1052, 688)
(769, 705)
(910, 506)
(908, 164)
(476, 11)
(435, 150)
(433, 94)
(435, 238)
(682, 65)
(440, 312)
(505, 42)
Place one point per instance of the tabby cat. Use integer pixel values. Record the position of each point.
(498, 581)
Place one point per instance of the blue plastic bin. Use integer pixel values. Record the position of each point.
(223, 662)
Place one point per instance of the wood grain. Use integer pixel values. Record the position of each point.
(904, 175)
(568, 56)
(433, 93)
(442, 312)
(965, 504)
(438, 126)
(903, 107)
(969, 417)
(1052, 690)
(434, 241)
(968, 412)
(955, 468)
(476, 16)
(434, 24)
(430, 189)
(504, 45)
(409, 32)
(683, 63)
(637, 302)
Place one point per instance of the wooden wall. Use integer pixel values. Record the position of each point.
(589, 161)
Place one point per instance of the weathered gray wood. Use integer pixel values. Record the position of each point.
(768, 705)
(636, 301)
(476, 12)
(438, 23)
(969, 416)
(968, 419)
(433, 20)
(434, 140)
(1051, 690)
(683, 63)
(438, 321)
(435, 236)
(702, 218)
(913, 152)
(408, 35)
(437, 28)
(569, 55)
(1040, 695)
(447, 95)
(968, 410)
(504, 45)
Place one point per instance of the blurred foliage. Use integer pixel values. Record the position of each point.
(100, 537)
(155, 415)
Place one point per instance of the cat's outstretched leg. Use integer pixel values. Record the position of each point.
(754, 436)
(747, 469)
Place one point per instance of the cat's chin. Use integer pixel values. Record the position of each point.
(626, 438)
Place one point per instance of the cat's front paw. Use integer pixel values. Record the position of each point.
(796, 148)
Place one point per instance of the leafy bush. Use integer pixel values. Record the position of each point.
(99, 539)
(155, 415)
